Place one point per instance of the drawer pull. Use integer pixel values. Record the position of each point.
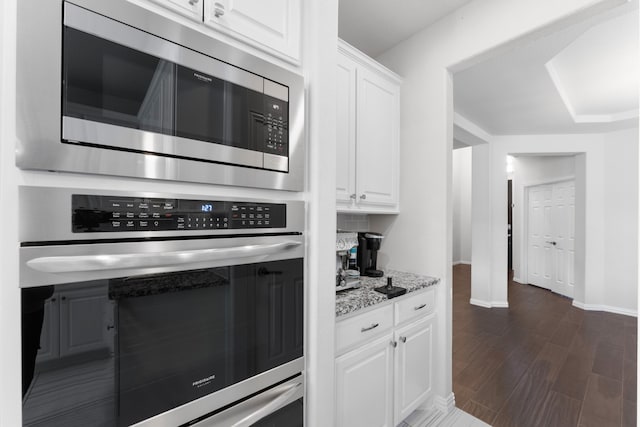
(420, 307)
(403, 339)
(373, 326)
(394, 344)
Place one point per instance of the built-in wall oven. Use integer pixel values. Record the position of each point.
(157, 310)
(108, 87)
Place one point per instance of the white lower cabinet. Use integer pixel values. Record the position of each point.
(364, 385)
(380, 380)
(75, 322)
(413, 366)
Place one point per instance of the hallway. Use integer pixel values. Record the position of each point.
(542, 362)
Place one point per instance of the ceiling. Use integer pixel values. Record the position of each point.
(574, 81)
(567, 82)
(374, 26)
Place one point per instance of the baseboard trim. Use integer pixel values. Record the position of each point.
(480, 303)
(500, 304)
(445, 404)
(489, 304)
(607, 308)
(519, 280)
(462, 262)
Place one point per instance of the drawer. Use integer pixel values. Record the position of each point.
(415, 306)
(360, 328)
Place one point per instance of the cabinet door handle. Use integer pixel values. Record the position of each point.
(373, 326)
(193, 2)
(353, 196)
(363, 196)
(394, 344)
(420, 307)
(403, 339)
(109, 327)
(63, 298)
(218, 9)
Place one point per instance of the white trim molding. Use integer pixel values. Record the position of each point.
(489, 304)
(462, 262)
(445, 404)
(607, 308)
(480, 303)
(500, 304)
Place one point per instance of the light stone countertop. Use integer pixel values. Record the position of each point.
(364, 296)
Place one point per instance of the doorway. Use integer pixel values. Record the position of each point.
(550, 236)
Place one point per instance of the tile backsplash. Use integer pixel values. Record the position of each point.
(351, 222)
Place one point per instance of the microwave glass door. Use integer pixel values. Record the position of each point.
(109, 83)
(118, 351)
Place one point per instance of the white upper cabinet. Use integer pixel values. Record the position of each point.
(272, 25)
(346, 130)
(368, 134)
(190, 8)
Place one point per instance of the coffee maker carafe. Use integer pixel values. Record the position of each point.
(368, 246)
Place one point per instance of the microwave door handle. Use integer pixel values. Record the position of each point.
(269, 408)
(84, 263)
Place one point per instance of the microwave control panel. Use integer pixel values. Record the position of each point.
(99, 214)
(276, 126)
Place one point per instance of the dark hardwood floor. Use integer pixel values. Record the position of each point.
(542, 362)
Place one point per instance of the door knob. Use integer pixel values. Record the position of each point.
(363, 196)
(218, 9)
(353, 196)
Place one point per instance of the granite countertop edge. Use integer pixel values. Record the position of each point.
(352, 300)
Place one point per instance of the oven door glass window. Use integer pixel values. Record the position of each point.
(116, 352)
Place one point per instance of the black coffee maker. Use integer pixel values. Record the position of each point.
(368, 245)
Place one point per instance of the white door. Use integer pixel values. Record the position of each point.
(550, 237)
(564, 237)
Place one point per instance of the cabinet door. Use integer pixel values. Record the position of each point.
(378, 116)
(49, 341)
(413, 365)
(190, 8)
(83, 321)
(274, 24)
(279, 316)
(364, 385)
(345, 130)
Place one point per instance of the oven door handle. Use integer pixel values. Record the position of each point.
(84, 263)
(269, 408)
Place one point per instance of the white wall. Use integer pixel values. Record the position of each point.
(461, 171)
(419, 239)
(529, 171)
(620, 288)
(606, 262)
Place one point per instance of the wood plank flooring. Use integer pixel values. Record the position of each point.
(542, 362)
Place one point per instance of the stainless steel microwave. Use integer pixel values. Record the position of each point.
(112, 88)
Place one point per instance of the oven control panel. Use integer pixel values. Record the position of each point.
(92, 214)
